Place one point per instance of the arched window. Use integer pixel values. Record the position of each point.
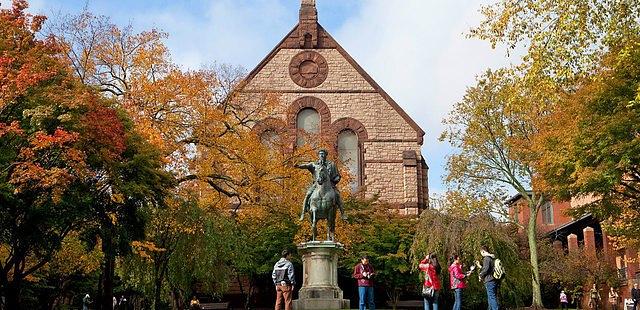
(307, 123)
(269, 138)
(349, 154)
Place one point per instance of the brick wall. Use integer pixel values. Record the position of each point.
(348, 94)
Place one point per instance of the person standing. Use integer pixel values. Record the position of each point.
(114, 303)
(486, 276)
(431, 269)
(564, 301)
(364, 272)
(86, 301)
(613, 299)
(594, 297)
(456, 279)
(284, 279)
(635, 296)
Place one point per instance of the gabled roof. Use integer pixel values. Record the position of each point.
(326, 41)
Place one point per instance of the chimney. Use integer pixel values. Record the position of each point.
(308, 25)
(572, 242)
(589, 240)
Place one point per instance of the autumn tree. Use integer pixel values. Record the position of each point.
(40, 161)
(65, 153)
(572, 271)
(562, 39)
(576, 45)
(492, 128)
(591, 142)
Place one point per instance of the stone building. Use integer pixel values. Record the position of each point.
(324, 91)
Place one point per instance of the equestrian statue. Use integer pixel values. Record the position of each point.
(322, 198)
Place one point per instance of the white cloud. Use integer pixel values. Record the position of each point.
(228, 31)
(417, 51)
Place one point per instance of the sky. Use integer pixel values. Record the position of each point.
(420, 56)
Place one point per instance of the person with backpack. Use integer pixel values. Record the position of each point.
(431, 269)
(284, 279)
(487, 277)
(456, 279)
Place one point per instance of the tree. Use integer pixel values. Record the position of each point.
(571, 271)
(563, 39)
(40, 162)
(186, 247)
(493, 127)
(591, 144)
(376, 230)
(198, 118)
(65, 155)
(458, 229)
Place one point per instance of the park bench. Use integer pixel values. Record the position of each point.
(214, 305)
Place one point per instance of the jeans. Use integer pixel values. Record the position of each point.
(366, 292)
(457, 305)
(432, 302)
(492, 298)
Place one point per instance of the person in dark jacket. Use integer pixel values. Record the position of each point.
(284, 279)
(364, 272)
(486, 276)
(635, 296)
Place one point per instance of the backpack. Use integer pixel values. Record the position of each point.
(281, 272)
(498, 269)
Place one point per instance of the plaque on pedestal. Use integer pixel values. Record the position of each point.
(320, 289)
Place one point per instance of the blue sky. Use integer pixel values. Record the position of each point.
(416, 50)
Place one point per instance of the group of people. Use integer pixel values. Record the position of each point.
(457, 279)
(119, 304)
(594, 298)
(284, 280)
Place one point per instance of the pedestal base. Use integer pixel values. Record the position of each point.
(320, 289)
(320, 304)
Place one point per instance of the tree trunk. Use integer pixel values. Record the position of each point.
(13, 293)
(106, 301)
(533, 257)
(156, 293)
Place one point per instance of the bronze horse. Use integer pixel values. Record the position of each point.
(323, 204)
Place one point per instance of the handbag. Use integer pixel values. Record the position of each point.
(428, 291)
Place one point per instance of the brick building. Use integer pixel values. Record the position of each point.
(323, 91)
(571, 233)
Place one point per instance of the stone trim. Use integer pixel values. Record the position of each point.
(310, 91)
(348, 123)
(308, 102)
(409, 158)
(391, 140)
(384, 161)
(312, 59)
(269, 123)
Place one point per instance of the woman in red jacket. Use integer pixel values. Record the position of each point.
(456, 277)
(431, 269)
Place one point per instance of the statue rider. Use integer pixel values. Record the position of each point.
(334, 176)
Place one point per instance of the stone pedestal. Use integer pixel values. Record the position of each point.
(320, 289)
